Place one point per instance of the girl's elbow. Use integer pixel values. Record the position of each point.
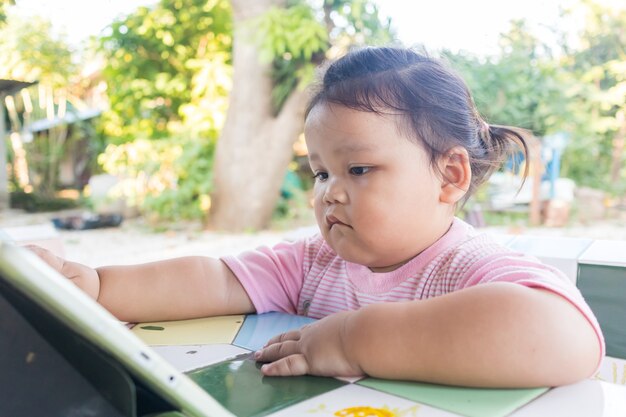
(571, 347)
(587, 355)
(577, 355)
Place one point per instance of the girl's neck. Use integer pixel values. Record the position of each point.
(381, 269)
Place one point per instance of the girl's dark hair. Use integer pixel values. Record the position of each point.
(434, 102)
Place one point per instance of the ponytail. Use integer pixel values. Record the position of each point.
(498, 143)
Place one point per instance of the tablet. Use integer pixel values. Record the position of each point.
(63, 354)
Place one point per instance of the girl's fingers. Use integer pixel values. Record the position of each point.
(291, 365)
(47, 256)
(277, 351)
(291, 335)
(39, 251)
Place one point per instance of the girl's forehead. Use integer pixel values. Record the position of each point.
(322, 109)
(325, 112)
(345, 131)
(343, 120)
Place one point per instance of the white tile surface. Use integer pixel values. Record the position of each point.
(614, 400)
(605, 252)
(549, 246)
(502, 238)
(559, 252)
(354, 400)
(188, 357)
(588, 398)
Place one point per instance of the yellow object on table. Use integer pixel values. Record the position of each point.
(204, 331)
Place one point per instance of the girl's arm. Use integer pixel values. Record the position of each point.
(491, 335)
(174, 289)
(180, 288)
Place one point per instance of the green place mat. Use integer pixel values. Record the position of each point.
(240, 386)
(470, 402)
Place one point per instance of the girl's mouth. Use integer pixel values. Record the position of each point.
(333, 221)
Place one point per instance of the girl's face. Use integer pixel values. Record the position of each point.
(377, 198)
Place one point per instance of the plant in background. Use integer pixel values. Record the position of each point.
(294, 205)
(29, 51)
(599, 64)
(143, 168)
(190, 197)
(165, 179)
(579, 90)
(169, 75)
(165, 64)
(293, 41)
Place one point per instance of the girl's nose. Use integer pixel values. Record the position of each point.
(334, 192)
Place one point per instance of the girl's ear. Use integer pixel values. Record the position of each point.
(457, 175)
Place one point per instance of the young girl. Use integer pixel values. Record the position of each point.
(404, 290)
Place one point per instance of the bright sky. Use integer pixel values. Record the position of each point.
(80, 19)
(472, 25)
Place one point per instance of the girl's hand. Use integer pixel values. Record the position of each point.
(316, 349)
(84, 277)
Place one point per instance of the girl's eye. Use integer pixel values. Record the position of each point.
(359, 170)
(320, 176)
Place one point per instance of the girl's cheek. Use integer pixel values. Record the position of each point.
(318, 195)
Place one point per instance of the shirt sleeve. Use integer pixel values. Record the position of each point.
(272, 277)
(529, 271)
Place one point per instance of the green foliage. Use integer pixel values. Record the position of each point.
(294, 41)
(580, 91)
(293, 33)
(293, 207)
(29, 52)
(356, 22)
(523, 86)
(190, 199)
(47, 151)
(298, 38)
(154, 57)
(3, 14)
(33, 203)
(599, 100)
(169, 75)
(144, 167)
(166, 179)
(210, 85)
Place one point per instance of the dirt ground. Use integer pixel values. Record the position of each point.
(135, 242)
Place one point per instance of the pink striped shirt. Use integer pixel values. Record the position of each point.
(306, 277)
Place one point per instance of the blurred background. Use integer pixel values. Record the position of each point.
(188, 113)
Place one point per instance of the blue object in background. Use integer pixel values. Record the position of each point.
(258, 329)
(553, 147)
(514, 162)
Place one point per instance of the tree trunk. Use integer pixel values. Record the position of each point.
(618, 148)
(4, 179)
(255, 146)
